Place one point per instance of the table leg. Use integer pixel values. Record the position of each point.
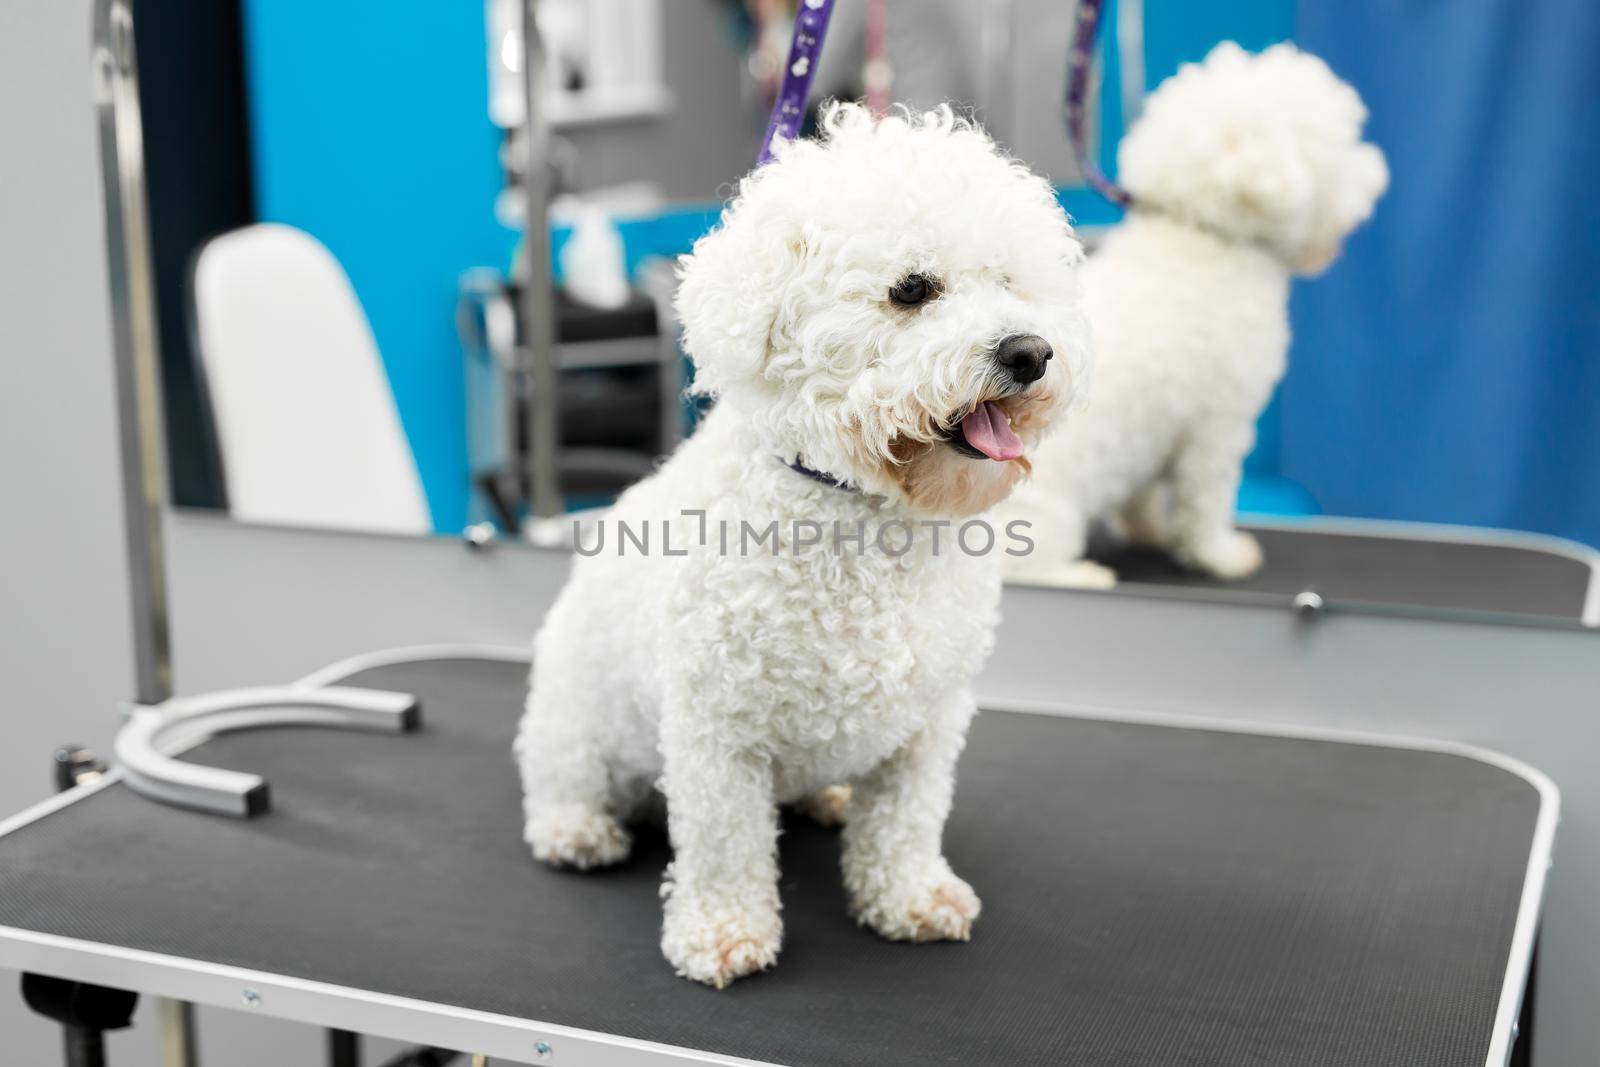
(1522, 1047)
(83, 1048)
(344, 1049)
(84, 1011)
(175, 1020)
(424, 1057)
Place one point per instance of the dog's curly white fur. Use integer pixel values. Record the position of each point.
(1245, 170)
(738, 681)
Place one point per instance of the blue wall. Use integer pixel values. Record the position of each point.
(370, 130)
(1182, 31)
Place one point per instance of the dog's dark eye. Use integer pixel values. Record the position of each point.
(911, 290)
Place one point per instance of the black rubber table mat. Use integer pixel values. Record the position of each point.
(1152, 896)
(1388, 571)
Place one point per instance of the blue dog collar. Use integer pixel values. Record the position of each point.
(821, 477)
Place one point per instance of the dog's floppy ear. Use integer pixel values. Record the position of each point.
(732, 289)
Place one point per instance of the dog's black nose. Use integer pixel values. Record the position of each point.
(1024, 356)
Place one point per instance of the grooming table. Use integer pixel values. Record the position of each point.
(1387, 565)
(1157, 892)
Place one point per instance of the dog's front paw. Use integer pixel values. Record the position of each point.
(1230, 555)
(574, 836)
(716, 948)
(942, 909)
(827, 806)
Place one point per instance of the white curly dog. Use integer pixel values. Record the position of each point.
(1245, 170)
(876, 316)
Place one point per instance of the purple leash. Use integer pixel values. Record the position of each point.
(789, 111)
(1079, 63)
(789, 114)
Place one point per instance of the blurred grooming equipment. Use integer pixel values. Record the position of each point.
(555, 388)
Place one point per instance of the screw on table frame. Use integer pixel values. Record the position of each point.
(74, 765)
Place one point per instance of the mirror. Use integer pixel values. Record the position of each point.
(338, 198)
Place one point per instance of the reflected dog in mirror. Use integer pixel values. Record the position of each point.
(1245, 170)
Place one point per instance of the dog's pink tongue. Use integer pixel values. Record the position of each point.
(989, 431)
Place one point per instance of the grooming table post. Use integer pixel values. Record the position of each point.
(536, 355)
(138, 361)
(175, 1020)
(344, 1049)
(84, 1011)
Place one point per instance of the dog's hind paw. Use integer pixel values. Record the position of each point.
(1067, 574)
(573, 836)
(942, 911)
(1086, 574)
(1230, 555)
(717, 951)
(827, 806)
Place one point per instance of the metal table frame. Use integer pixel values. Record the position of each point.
(1442, 532)
(1195, 587)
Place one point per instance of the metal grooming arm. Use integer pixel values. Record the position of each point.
(536, 356)
(144, 746)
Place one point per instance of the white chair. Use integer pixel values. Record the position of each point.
(306, 421)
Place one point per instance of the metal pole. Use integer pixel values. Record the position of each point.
(139, 401)
(344, 1049)
(176, 1021)
(83, 1048)
(1130, 54)
(136, 349)
(84, 1011)
(536, 371)
(996, 70)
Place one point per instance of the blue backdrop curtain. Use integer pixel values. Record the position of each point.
(1448, 369)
